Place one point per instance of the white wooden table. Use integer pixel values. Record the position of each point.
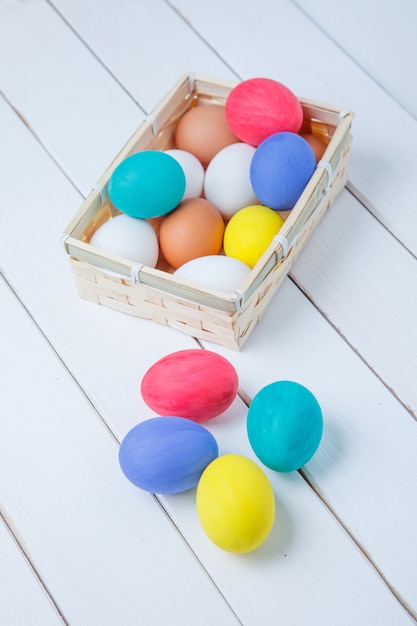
(79, 544)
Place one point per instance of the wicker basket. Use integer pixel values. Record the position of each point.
(156, 294)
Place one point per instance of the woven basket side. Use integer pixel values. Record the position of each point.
(154, 293)
(123, 295)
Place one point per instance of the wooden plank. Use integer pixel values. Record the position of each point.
(392, 66)
(361, 279)
(22, 599)
(108, 354)
(152, 46)
(62, 92)
(99, 543)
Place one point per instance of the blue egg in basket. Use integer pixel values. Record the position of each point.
(166, 455)
(284, 425)
(280, 169)
(147, 184)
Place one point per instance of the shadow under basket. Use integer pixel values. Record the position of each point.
(155, 293)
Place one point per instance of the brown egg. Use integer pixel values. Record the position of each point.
(318, 145)
(204, 131)
(194, 229)
(284, 214)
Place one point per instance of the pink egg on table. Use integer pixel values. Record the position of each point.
(259, 107)
(195, 384)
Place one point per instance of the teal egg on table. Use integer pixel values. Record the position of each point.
(284, 425)
(147, 184)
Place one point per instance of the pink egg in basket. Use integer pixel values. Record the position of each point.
(259, 107)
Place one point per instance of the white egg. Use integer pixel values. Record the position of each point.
(227, 180)
(215, 271)
(132, 238)
(193, 170)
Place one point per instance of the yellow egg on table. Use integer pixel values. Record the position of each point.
(235, 503)
(249, 233)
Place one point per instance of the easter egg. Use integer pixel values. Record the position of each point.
(166, 454)
(128, 237)
(280, 169)
(259, 107)
(195, 228)
(284, 425)
(195, 384)
(227, 181)
(249, 233)
(147, 184)
(235, 503)
(204, 131)
(193, 170)
(214, 271)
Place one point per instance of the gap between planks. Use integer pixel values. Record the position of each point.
(352, 347)
(13, 532)
(9, 524)
(39, 140)
(91, 51)
(361, 199)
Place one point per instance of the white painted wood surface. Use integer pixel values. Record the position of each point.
(389, 56)
(76, 79)
(22, 598)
